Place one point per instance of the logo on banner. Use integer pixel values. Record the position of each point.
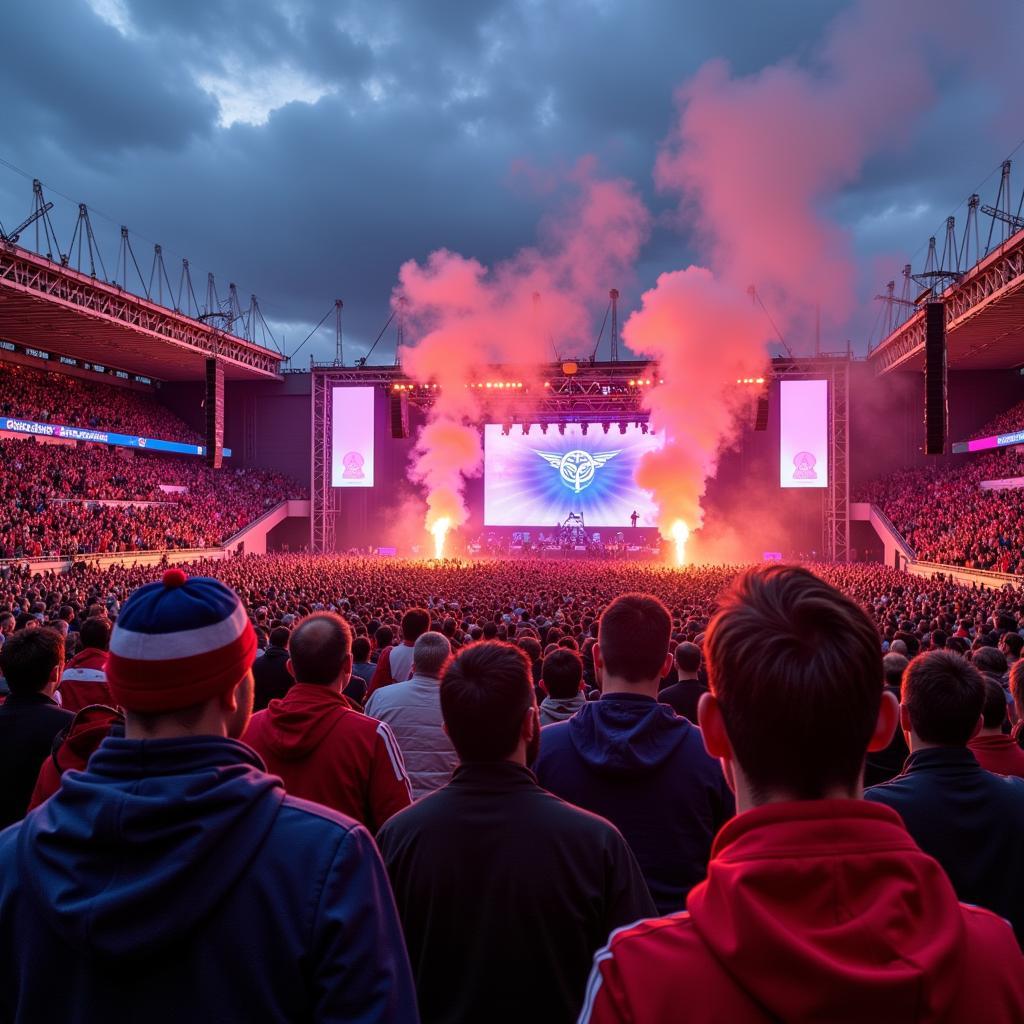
(353, 463)
(804, 463)
(577, 468)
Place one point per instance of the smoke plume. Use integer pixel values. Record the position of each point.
(467, 316)
(754, 162)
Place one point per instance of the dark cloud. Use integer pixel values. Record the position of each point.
(368, 133)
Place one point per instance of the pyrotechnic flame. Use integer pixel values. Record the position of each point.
(680, 533)
(440, 530)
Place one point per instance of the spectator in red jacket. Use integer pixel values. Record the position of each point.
(994, 749)
(817, 905)
(84, 681)
(323, 749)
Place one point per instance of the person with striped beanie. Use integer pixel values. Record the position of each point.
(174, 878)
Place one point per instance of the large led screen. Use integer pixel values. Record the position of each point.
(352, 437)
(538, 479)
(803, 442)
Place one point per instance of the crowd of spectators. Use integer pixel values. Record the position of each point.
(46, 491)
(446, 852)
(945, 516)
(51, 397)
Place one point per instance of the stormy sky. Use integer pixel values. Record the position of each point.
(307, 149)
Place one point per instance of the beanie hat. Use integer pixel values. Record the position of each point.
(177, 643)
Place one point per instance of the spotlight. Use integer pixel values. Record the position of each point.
(585, 427)
(561, 428)
(605, 426)
(622, 428)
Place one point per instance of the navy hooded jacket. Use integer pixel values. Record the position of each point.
(174, 880)
(645, 769)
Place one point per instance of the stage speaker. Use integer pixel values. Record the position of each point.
(936, 399)
(214, 406)
(761, 419)
(399, 416)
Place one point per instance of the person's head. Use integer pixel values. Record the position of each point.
(415, 622)
(893, 667)
(990, 659)
(32, 660)
(7, 621)
(632, 644)
(562, 673)
(787, 654)
(531, 645)
(942, 699)
(1017, 687)
(96, 634)
(383, 637)
(180, 659)
(898, 647)
(1011, 645)
(320, 650)
(488, 704)
(993, 708)
(360, 650)
(490, 630)
(430, 654)
(687, 660)
(279, 636)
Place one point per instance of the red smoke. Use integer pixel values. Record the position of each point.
(755, 162)
(467, 316)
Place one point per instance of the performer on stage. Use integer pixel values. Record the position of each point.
(634, 518)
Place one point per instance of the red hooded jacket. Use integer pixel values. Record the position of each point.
(77, 743)
(813, 911)
(326, 752)
(84, 681)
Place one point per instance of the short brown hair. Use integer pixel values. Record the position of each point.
(317, 647)
(485, 691)
(29, 657)
(944, 695)
(633, 635)
(797, 670)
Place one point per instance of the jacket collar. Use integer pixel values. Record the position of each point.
(806, 827)
(629, 698)
(492, 776)
(25, 700)
(954, 759)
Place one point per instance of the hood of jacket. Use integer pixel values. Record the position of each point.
(561, 708)
(296, 724)
(135, 853)
(827, 910)
(626, 734)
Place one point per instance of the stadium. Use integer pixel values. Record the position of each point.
(630, 615)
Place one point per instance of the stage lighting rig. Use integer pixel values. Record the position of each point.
(605, 426)
(622, 428)
(584, 427)
(561, 428)
(544, 427)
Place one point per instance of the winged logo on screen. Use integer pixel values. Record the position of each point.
(804, 463)
(576, 468)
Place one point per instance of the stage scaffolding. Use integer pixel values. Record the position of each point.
(835, 516)
(323, 512)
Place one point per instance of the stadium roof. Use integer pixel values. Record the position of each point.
(56, 308)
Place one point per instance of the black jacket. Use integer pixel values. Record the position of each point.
(970, 821)
(683, 697)
(28, 725)
(505, 893)
(273, 680)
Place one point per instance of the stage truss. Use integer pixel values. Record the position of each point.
(835, 518)
(323, 511)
